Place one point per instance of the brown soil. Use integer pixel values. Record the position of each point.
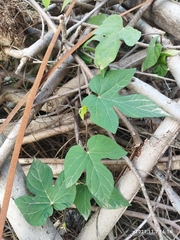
(16, 16)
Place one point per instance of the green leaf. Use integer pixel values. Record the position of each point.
(101, 106)
(161, 66)
(60, 196)
(36, 209)
(106, 89)
(90, 48)
(166, 53)
(84, 57)
(129, 35)
(110, 26)
(46, 3)
(65, 3)
(153, 53)
(138, 106)
(170, 52)
(39, 178)
(74, 165)
(82, 112)
(116, 201)
(162, 59)
(99, 179)
(109, 35)
(106, 52)
(97, 20)
(160, 69)
(82, 200)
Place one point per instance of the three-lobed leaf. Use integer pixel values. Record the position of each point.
(36, 209)
(109, 35)
(99, 179)
(106, 96)
(113, 27)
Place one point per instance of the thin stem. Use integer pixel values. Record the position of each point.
(134, 133)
